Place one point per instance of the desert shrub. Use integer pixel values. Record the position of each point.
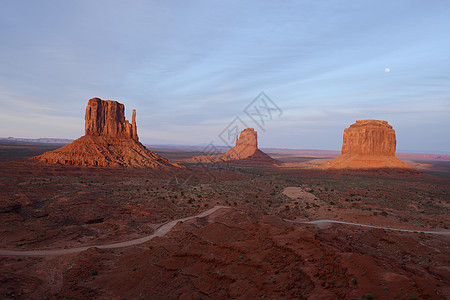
(94, 273)
(354, 281)
(368, 297)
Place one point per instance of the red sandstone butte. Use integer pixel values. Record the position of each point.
(245, 152)
(109, 140)
(107, 118)
(367, 144)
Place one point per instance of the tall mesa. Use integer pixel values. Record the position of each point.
(109, 141)
(369, 137)
(368, 144)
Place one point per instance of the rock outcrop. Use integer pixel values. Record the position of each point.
(369, 137)
(107, 118)
(244, 152)
(367, 144)
(109, 140)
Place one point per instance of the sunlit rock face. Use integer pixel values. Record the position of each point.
(246, 144)
(107, 118)
(369, 137)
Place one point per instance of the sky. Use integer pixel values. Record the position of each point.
(194, 69)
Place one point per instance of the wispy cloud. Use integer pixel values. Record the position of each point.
(190, 68)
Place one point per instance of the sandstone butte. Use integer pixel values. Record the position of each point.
(368, 144)
(109, 141)
(245, 152)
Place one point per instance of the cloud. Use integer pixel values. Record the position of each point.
(190, 68)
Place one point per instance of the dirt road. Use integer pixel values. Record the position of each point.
(165, 228)
(160, 231)
(318, 222)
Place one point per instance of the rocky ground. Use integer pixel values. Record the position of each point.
(248, 251)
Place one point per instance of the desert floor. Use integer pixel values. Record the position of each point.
(254, 244)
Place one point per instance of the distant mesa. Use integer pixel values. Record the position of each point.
(109, 140)
(368, 144)
(245, 152)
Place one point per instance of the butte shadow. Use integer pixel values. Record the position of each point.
(109, 141)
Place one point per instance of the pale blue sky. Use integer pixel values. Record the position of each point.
(190, 67)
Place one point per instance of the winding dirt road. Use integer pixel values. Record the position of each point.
(160, 231)
(318, 222)
(165, 228)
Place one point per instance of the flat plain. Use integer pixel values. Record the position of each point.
(258, 245)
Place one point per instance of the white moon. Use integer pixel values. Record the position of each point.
(387, 70)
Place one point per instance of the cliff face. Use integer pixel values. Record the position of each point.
(244, 152)
(367, 144)
(246, 145)
(109, 140)
(107, 118)
(369, 137)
